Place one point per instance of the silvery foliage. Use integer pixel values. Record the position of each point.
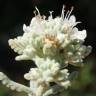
(53, 44)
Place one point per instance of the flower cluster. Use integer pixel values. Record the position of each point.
(53, 44)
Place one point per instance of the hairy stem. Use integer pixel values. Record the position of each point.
(13, 85)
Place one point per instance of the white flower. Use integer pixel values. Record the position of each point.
(44, 38)
(79, 35)
(52, 44)
(48, 70)
(50, 38)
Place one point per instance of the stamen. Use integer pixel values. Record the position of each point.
(67, 14)
(70, 12)
(39, 19)
(62, 14)
(37, 10)
(34, 12)
(51, 14)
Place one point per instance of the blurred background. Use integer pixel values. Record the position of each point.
(15, 13)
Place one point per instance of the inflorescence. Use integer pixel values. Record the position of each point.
(53, 44)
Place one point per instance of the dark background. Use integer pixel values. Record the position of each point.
(14, 13)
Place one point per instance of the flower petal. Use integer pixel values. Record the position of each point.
(81, 35)
(72, 19)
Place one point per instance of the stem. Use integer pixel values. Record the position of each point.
(13, 85)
